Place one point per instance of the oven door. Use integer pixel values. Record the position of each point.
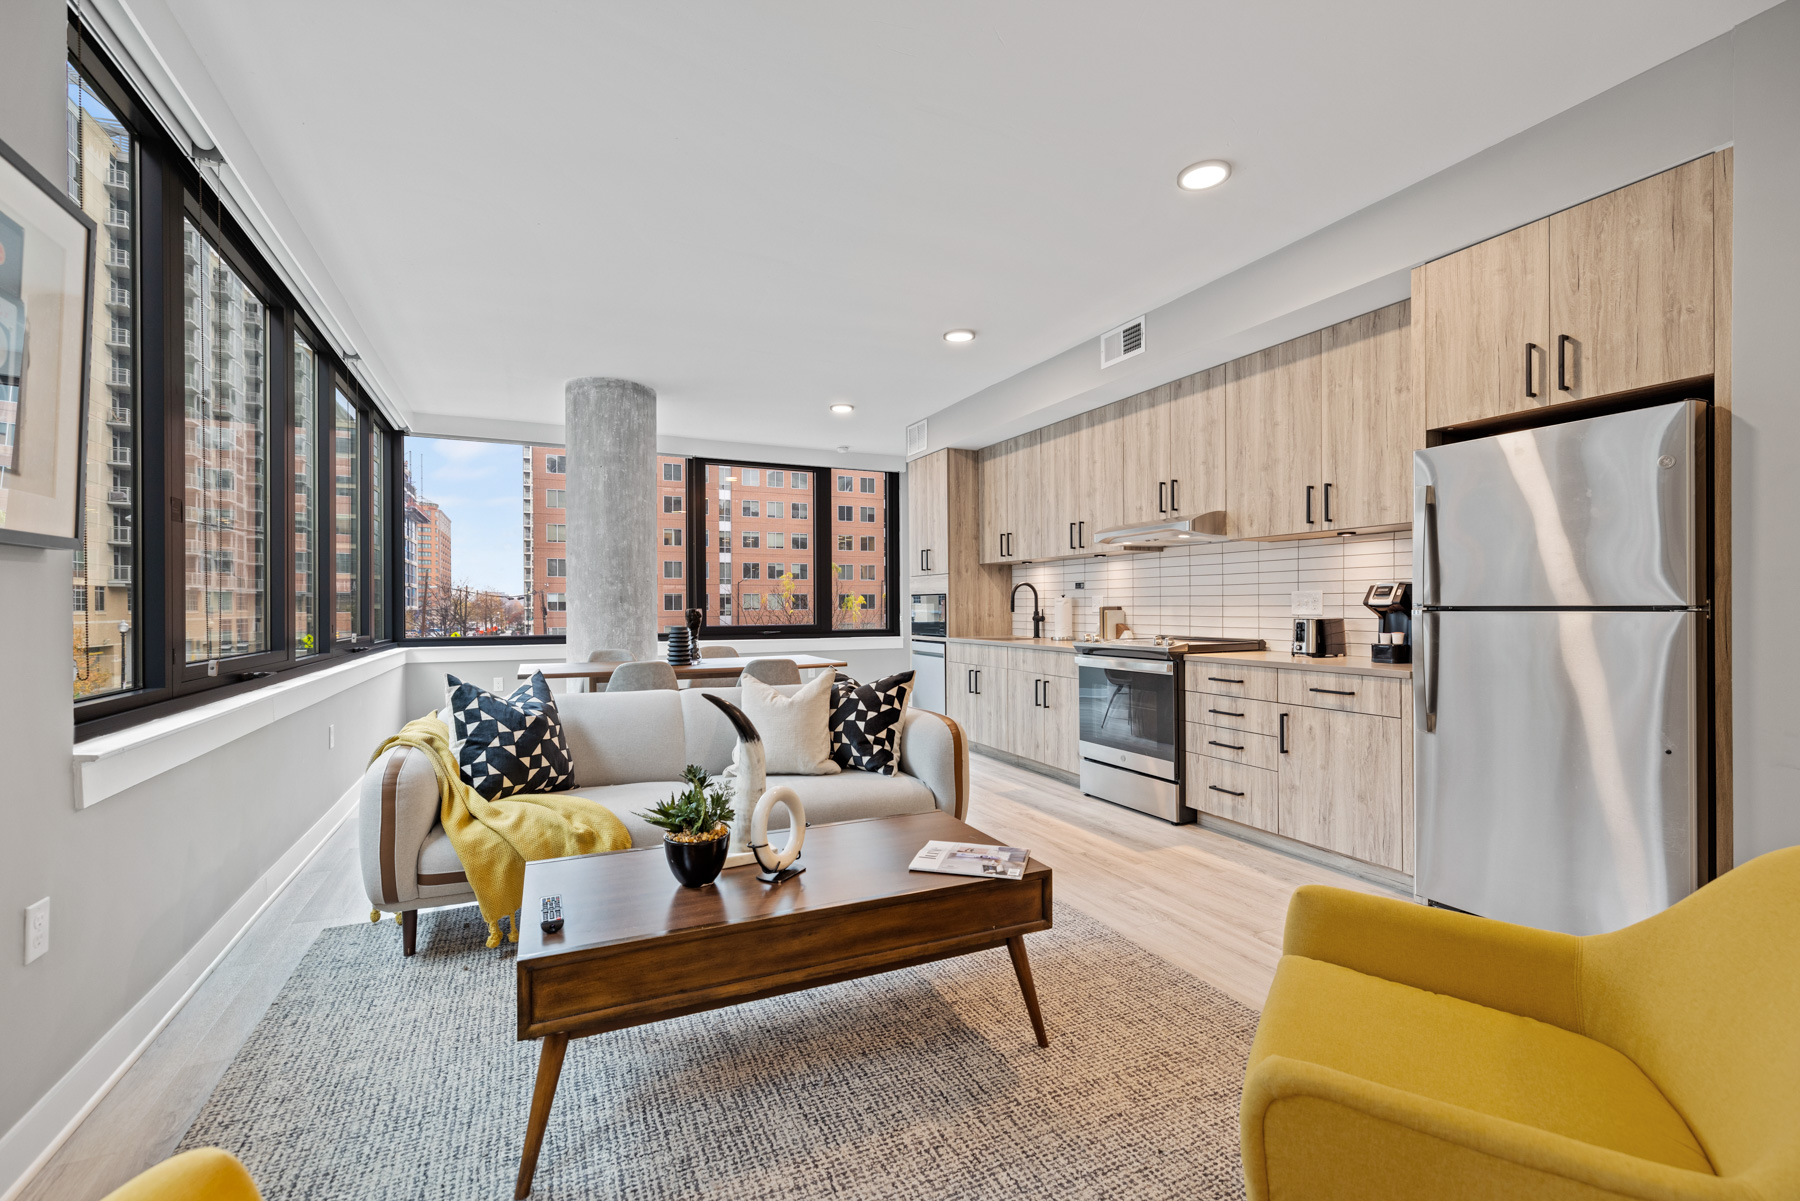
(1129, 714)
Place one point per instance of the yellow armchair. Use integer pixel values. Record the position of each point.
(1407, 1052)
(205, 1174)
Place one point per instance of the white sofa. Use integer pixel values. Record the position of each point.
(629, 749)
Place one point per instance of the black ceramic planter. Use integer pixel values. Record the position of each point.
(697, 864)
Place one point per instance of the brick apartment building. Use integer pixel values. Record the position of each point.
(431, 561)
(759, 566)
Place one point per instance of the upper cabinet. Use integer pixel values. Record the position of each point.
(1631, 286)
(1196, 441)
(928, 511)
(1606, 297)
(1370, 420)
(1272, 430)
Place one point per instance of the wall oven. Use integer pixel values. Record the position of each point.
(929, 619)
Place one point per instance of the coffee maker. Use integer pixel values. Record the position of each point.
(1393, 640)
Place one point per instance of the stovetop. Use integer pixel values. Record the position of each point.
(1168, 646)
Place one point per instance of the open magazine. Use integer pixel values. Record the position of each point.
(971, 859)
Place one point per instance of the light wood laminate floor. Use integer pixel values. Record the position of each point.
(1206, 902)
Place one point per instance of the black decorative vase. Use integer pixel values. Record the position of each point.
(681, 647)
(695, 619)
(697, 864)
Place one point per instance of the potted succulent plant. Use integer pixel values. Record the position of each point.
(697, 828)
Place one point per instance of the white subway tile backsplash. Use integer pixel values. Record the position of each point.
(1232, 589)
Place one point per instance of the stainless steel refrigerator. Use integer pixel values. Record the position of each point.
(1561, 621)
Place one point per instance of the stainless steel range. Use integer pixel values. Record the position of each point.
(1131, 718)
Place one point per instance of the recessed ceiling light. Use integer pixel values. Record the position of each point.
(1200, 176)
(960, 335)
(841, 407)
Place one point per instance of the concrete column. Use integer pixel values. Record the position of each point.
(612, 593)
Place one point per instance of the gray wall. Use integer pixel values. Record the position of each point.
(1765, 389)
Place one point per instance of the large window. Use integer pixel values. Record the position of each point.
(102, 180)
(346, 515)
(306, 509)
(222, 509)
(225, 436)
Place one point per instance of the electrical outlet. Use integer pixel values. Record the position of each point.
(37, 929)
(331, 737)
(499, 685)
(1307, 603)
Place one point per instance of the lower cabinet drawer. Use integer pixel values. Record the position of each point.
(1232, 791)
(1233, 746)
(1377, 695)
(1230, 679)
(1234, 713)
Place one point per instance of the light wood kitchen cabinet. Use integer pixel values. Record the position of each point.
(1323, 758)
(996, 471)
(1272, 433)
(1484, 316)
(928, 512)
(1370, 420)
(1103, 438)
(943, 505)
(1609, 296)
(1196, 444)
(1339, 784)
(1019, 700)
(974, 692)
(1631, 286)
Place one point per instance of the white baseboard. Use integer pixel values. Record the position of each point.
(34, 1138)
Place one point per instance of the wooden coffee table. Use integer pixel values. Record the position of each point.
(637, 947)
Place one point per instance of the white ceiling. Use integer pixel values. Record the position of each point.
(759, 209)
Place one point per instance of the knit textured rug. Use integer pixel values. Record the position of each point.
(377, 1076)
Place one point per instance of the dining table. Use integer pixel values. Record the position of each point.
(722, 668)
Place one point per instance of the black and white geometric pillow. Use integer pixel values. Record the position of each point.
(865, 722)
(509, 744)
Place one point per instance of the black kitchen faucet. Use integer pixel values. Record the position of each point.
(1037, 614)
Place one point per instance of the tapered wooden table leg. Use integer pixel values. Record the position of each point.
(409, 931)
(550, 1061)
(1022, 966)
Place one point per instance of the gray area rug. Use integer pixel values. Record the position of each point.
(374, 1076)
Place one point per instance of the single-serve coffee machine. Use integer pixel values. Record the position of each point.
(1393, 639)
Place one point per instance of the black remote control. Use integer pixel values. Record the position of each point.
(552, 918)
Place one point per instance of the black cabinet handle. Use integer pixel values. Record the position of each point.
(1223, 680)
(1227, 745)
(977, 680)
(1562, 363)
(1529, 391)
(1174, 505)
(1333, 691)
(1071, 535)
(1282, 745)
(1080, 535)
(1328, 504)
(1224, 713)
(1162, 496)
(1226, 791)
(1309, 492)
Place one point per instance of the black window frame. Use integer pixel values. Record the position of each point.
(818, 494)
(171, 191)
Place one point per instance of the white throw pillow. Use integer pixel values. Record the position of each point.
(796, 729)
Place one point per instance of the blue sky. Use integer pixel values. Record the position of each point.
(481, 487)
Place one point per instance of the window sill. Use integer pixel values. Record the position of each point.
(108, 764)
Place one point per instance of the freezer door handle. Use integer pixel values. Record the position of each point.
(1428, 585)
(1429, 648)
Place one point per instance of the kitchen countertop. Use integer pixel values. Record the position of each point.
(1045, 644)
(1355, 665)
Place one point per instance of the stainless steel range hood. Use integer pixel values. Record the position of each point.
(1206, 527)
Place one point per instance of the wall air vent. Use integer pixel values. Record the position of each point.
(915, 439)
(1117, 345)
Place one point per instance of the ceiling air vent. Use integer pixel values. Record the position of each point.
(1117, 345)
(915, 439)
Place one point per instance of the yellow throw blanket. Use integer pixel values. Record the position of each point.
(495, 838)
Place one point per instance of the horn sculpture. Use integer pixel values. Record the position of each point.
(752, 802)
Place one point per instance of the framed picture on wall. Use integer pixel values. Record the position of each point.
(46, 268)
